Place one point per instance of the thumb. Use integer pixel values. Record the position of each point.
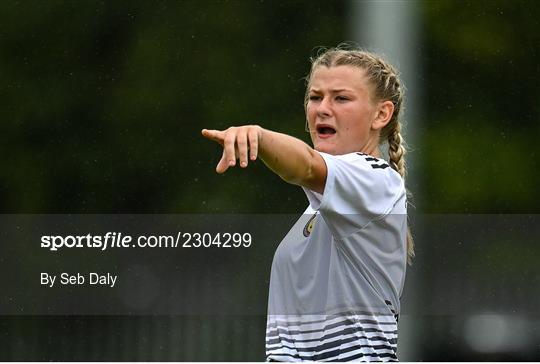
(223, 164)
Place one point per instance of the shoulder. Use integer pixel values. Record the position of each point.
(362, 179)
(359, 188)
(364, 164)
(373, 162)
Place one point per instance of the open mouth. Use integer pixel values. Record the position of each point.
(326, 130)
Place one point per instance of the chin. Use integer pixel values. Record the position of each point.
(325, 148)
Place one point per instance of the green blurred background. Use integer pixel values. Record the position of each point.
(102, 104)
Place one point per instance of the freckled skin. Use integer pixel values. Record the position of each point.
(341, 97)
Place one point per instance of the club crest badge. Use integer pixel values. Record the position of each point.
(309, 226)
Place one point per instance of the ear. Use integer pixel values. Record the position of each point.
(383, 114)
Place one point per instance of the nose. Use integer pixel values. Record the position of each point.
(324, 108)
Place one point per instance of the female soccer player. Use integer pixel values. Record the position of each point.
(338, 275)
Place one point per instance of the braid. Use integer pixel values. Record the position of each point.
(396, 150)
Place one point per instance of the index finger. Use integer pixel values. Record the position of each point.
(215, 135)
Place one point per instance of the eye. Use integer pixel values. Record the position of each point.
(342, 98)
(314, 98)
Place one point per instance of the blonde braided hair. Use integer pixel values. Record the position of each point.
(386, 85)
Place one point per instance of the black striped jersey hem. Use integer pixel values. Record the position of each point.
(336, 338)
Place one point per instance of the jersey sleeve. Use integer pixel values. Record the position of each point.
(359, 188)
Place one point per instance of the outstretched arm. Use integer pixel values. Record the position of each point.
(290, 158)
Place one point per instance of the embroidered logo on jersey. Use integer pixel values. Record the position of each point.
(309, 226)
(371, 159)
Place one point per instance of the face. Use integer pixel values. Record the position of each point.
(340, 111)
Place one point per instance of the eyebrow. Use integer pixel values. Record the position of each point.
(331, 91)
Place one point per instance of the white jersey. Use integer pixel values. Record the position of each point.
(338, 274)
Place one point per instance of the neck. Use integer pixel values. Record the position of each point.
(376, 153)
(372, 148)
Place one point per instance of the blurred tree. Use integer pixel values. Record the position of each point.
(482, 116)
